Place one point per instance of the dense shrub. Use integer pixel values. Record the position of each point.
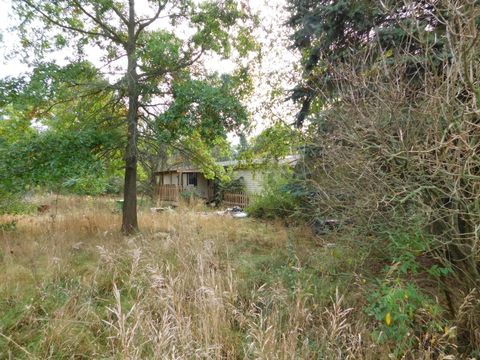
(191, 193)
(86, 184)
(277, 199)
(392, 107)
(114, 185)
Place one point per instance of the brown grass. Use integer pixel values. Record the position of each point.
(191, 286)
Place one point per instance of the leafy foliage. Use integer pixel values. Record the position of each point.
(403, 313)
(207, 107)
(55, 161)
(329, 33)
(273, 143)
(276, 200)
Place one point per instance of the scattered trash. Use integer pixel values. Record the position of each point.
(220, 213)
(235, 212)
(239, 214)
(161, 209)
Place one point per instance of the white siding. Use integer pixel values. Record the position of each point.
(253, 180)
(204, 188)
(169, 179)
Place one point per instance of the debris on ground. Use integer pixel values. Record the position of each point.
(324, 226)
(239, 214)
(161, 209)
(235, 212)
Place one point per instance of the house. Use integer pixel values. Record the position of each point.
(173, 179)
(181, 178)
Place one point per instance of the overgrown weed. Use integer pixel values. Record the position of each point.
(189, 286)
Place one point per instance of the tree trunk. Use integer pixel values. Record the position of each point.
(129, 221)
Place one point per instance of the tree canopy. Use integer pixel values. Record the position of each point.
(328, 34)
(158, 64)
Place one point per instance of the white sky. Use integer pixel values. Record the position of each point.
(275, 70)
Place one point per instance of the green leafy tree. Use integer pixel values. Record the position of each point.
(156, 59)
(54, 103)
(68, 98)
(273, 143)
(55, 161)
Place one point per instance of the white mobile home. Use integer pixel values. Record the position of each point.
(173, 179)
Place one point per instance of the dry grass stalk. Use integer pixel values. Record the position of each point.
(179, 290)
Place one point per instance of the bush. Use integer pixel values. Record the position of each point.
(277, 200)
(404, 315)
(114, 185)
(13, 204)
(88, 184)
(55, 161)
(191, 193)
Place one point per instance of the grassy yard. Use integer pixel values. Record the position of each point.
(192, 285)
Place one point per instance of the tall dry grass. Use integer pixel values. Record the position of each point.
(191, 286)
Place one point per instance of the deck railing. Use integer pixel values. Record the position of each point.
(167, 193)
(236, 199)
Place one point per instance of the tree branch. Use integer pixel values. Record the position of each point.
(64, 26)
(109, 32)
(120, 15)
(148, 22)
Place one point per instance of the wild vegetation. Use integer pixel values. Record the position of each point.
(193, 284)
(208, 287)
(390, 91)
(367, 249)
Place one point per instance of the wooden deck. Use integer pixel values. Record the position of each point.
(171, 193)
(167, 193)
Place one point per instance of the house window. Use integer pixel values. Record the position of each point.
(192, 179)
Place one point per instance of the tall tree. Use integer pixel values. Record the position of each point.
(156, 59)
(48, 114)
(329, 33)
